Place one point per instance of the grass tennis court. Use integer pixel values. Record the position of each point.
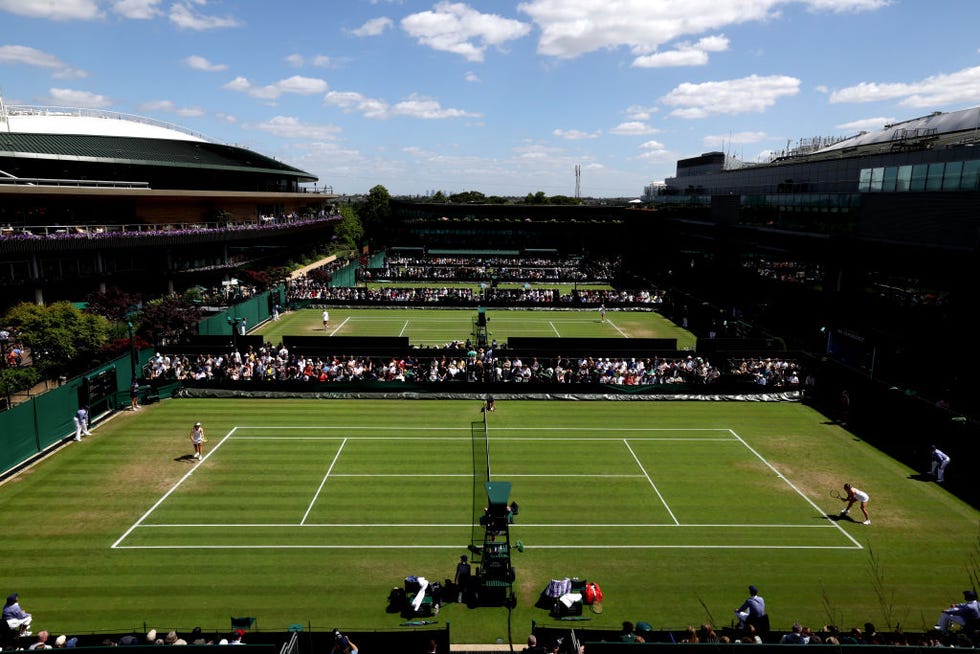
(436, 328)
(310, 511)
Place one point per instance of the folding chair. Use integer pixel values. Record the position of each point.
(242, 623)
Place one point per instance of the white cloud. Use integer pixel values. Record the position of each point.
(198, 62)
(685, 54)
(939, 90)
(374, 27)
(59, 10)
(748, 94)
(290, 127)
(137, 9)
(457, 28)
(638, 112)
(167, 106)
(22, 54)
(415, 106)
(318, 61)
(575, 135)
(634, 128)
(470, 76)
(185, 17)
(822, 88)
(570, 28)
(737, 138)
(323, 61)
(296, 84)
(654, 151)
(83, 99)
(865, 124)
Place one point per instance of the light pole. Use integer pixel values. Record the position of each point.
(132, 353)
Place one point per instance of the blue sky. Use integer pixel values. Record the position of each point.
(500, 96)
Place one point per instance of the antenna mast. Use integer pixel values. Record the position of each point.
(578, 181)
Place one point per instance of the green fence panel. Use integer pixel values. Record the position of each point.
(55, 412)
(254, 310)
(19, 440)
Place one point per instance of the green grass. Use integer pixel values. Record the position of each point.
(665, 504)
(426, 327)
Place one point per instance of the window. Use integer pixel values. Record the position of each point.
(951, 178)
(971, 175)
(934, 182)
(904, 178)
(889, 180)
(919, 172)
(864, 182)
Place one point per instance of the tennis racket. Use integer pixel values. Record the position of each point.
(837, 495)
(204, 439)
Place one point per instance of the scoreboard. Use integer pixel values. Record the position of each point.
(99, 387)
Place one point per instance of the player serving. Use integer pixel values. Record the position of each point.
(852, 496)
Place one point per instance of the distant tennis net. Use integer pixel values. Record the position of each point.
(480, 433)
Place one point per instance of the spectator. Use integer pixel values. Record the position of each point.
(17, 619)
(962, 613)
(752, 611)
(533, 647)
(794, 637)
(42, 641)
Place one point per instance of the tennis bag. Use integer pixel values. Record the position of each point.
(592, 593)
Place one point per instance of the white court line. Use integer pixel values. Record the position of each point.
(621, 332)
(169, 492)
(404, 327)
(467, 525)
(655, 489)
(410, 428)
(455, 546)
(555, 328)
(798, 491)
(325, 477)
(340, 326)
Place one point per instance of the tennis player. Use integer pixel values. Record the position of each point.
(197, 440)
(853, 496)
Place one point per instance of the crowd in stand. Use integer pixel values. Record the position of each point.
(322, 292)
(455, 363)
(767, 372)
(316, 288)
(106, 232)
(503, 268)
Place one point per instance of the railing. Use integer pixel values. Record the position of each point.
(71, 183)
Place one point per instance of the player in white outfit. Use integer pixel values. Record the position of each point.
(853, 496)
(197, 440)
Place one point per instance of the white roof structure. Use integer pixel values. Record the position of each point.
(89, 122)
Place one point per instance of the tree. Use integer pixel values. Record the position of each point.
(113, 304)
(59, 335)
(468, 197)
(439, 197)
(168, 320)
(350, 230)
(375, 211)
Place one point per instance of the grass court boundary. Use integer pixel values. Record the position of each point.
(341, 435)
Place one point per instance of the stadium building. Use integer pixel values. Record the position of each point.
(865, 246)
(90, 199)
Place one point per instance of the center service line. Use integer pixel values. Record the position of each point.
(655, 489)
(325, 477)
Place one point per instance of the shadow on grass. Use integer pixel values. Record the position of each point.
(922, 476)
(186, 458)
